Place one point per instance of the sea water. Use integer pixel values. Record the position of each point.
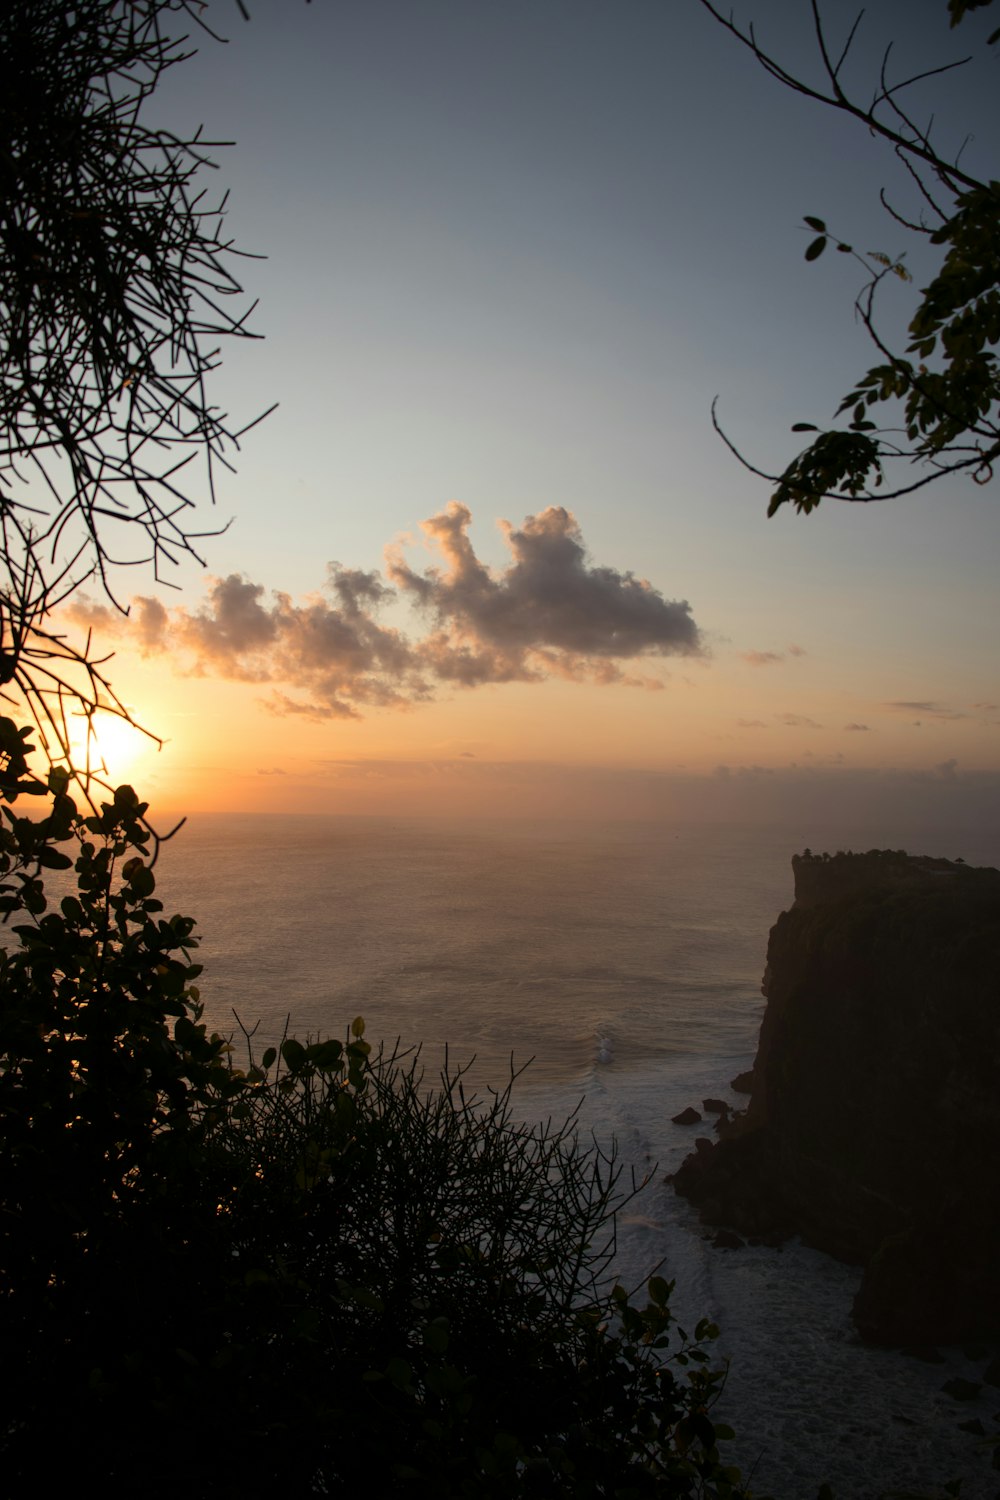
(624, 961)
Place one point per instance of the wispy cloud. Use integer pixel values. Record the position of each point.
(762, 658)
(942, 712)
(550, 612)
(770, 658)
(797, 721)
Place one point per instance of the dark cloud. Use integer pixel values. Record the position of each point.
(859, 728)
(550, 610)
(550, 613)
(333, 648)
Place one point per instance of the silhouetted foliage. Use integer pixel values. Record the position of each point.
(313, 1272)
(945, 386)
(114, 275)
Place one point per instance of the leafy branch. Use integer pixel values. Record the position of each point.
(115, 284)
(947, 379)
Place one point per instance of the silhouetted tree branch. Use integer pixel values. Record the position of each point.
(115, 288)
(946, 382)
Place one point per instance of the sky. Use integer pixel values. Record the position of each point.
(488, 555)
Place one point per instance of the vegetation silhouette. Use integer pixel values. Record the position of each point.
(114, 282)
(314, 1270)
(943, 390)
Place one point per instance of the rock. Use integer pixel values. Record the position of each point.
(687, 1116)
(991, 1375)
(743, 1082)
(725, 1239)
(702, 1143)
(875, 1104)
(962, 1390)
(715, 1106)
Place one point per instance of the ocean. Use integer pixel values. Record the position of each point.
(623, 962)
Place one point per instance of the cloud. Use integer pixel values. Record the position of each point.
(751, 724)
(146, 620)
(797, 721)
(859, 728)
(762, 658)
(770, 658)
(939, 711)
(150, 624)
(551, 613)
(332, 647)
(550, 610)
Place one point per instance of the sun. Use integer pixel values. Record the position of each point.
(107, 746)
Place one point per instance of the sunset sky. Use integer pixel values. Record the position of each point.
(488, 555)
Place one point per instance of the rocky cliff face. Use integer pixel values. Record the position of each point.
(873, 1127)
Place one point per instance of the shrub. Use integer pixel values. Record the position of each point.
(313, 1271)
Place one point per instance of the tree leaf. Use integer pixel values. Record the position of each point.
(816, 248)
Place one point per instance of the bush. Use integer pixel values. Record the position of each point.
(313, 1271)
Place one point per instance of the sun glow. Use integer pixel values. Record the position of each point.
(107, 747)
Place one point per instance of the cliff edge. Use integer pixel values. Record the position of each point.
(873, 1128)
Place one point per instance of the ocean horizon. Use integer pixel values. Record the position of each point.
(618, 964)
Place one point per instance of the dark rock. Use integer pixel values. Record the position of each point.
(991, 1375)
(926, 1352)
(743, 1082)
(875, 1104)
(687, 1116)
(702, 1143)
(715, 1106)
(725, 1239)
(975, 1427)
(962, 1390)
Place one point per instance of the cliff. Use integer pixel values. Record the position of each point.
(873, 1128)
